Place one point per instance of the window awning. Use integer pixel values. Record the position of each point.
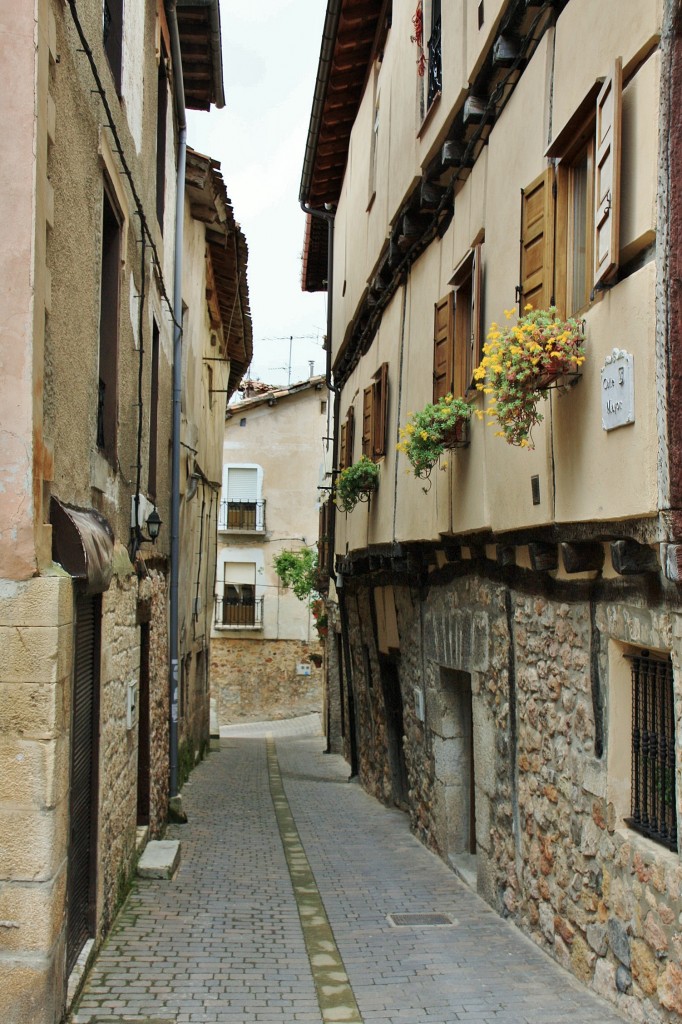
(83, 543)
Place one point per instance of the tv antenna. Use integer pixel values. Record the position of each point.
(291, 338)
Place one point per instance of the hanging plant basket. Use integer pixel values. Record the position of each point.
(356, 483)
(438, 426)
(457, 436)
(522, 361)
(558, 373)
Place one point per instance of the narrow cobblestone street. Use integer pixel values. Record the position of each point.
(223, 941)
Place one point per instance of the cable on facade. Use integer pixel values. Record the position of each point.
(87, 50)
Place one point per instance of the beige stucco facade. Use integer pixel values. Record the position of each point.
(261, 666)
(491, 612)
(83, 591)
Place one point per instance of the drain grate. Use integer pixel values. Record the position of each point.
(420, 920)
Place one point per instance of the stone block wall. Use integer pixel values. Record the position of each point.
(120, 664)
(256, 680)
(539, 684)
(36, 620)
(155, 586)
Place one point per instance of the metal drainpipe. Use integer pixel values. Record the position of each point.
(175, 805)
(328, 216)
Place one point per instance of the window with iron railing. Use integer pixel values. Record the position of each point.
(435, 68)
(239, 608)
(653, 799)
(246, 516)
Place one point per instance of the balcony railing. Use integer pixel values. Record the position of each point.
(241, 517)
(435, 66)
(238, 613)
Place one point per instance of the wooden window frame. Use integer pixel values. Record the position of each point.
(458, 329)
(153, 413)
(161, 136)
(112, 38)
(375, 415)
(346, 440)
(547, 205)
(110, 299)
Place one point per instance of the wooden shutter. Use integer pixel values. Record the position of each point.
(380, 411)
(607, 176)
(83, 801)
(346, 440)
(537, 242)
(443, 347)
(343, 445)
(350, 435)
(367, 420)
(474, 351)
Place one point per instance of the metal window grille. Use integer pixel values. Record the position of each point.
(435, 60)
(653, 750)
(242, 612)
(244, 516)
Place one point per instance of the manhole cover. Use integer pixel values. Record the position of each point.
(420, 920)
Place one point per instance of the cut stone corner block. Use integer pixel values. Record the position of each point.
(161, 859)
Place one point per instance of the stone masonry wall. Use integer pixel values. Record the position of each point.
(36, 629)
(120, 663)
(155, 586)
(552, 853)
(333, 720)
(256, 679)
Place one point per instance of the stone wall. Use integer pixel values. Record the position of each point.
(120, 663)
(155, 586)
(333, 718)
(36, 628)
(525, 697)
(256, 680)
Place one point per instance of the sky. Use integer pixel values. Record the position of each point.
(270, 55)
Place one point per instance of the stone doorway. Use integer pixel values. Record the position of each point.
(455, 775)
(395, 731)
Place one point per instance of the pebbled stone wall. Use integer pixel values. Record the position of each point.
(542, 686)
(256, 680)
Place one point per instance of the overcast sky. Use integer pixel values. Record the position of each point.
(270, 54)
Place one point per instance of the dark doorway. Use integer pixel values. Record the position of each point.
(395, 731)
(143, 748)
(81, 873)
(454, 765)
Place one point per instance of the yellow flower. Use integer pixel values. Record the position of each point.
(528, 307)
(424, 436)
(509, 313)
(410, 428)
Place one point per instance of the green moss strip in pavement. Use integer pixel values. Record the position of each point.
(334, 993)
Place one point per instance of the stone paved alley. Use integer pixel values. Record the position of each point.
(223, 941)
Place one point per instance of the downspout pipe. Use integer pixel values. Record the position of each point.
(328, 216)
(175, 805)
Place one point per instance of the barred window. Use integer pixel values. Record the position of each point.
(653, 801)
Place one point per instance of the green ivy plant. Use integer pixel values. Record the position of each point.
(298, 570)
(355, 483)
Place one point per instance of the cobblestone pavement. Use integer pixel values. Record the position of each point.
(223, 942)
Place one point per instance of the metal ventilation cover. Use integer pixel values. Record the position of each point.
(420, 920)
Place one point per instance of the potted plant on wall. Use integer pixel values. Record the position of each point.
(438, 426)
(321, 622)
(521, 361)
(355, 484)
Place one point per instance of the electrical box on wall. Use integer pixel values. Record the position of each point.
(302, 669)
(131, 704)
